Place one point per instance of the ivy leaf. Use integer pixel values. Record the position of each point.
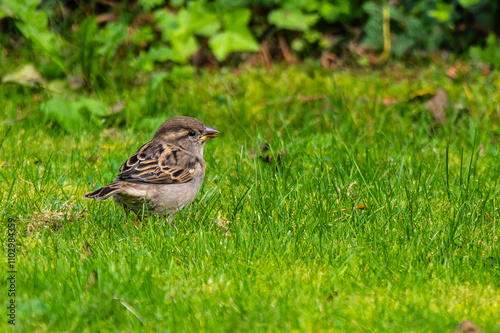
(184, 47)
(237, 20)
(161, 54)
(442, 13)
(177, 30)
(167, 22)
(334, 12)
(150, 4)
(226, 42)
(402, 44)
(467, 3)
(292, 19)
(203, 18)
(236, 37)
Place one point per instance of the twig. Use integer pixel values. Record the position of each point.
(264, 54)
(286, 50)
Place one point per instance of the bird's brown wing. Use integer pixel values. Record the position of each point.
(159, 163)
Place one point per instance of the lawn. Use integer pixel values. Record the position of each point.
(379, 217)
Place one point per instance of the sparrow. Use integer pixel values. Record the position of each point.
(165, 174)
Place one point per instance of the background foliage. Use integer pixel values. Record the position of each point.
(140, 34)
(70, 46)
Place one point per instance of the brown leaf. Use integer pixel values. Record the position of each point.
(458, 70)
(76, 82)
(329, 60)
(486, 70)
(466, 327)
(389, 100)
(437, 105)
(117, 107)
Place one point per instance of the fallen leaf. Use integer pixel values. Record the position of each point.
(422, 94)
(389, 100)
(28, 75)
(466, 327)
(117, 107)
(486, 70)
(458, 70)
(329, 60)
(76, 82)
(437, 104)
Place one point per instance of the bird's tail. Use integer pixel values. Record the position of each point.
(104, 192)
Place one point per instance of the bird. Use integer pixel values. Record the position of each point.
(165, 174)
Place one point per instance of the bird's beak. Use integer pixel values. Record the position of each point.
(208, 134)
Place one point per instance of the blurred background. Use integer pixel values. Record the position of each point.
(75, 49)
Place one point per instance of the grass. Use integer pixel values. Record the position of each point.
(265, 247)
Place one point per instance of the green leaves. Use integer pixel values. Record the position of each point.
(292, 19)
(236, 37)
(84, 113)
(33, 25)
(468, 3)
(226, 35)
(178, 32)
(203, 18)
(489, 54)
(442, 13)
(152, 32)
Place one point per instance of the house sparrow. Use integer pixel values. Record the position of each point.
(166, 173)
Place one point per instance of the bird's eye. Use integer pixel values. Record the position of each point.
(192, 133)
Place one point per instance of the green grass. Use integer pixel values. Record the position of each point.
(265, 247)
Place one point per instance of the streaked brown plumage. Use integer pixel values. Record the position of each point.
(166, 173)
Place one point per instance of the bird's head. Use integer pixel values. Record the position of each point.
(186, 132)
